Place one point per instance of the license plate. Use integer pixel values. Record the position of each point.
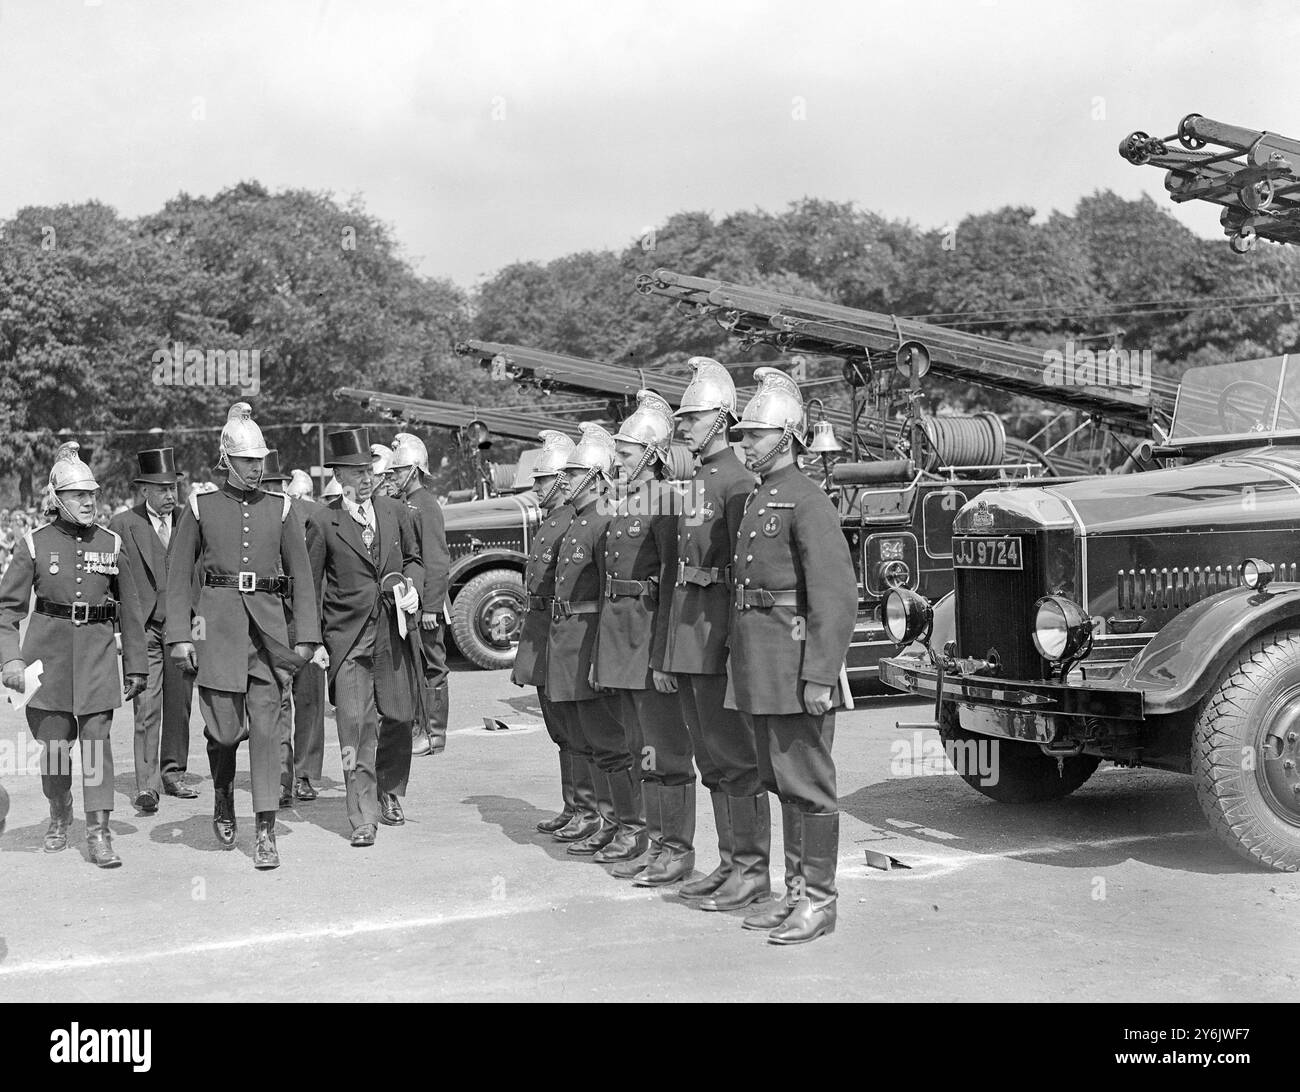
(987, 553)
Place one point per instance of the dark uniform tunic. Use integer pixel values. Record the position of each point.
(793, 613)
(80, 685)
(699, 619)
(431, 535)
(240, 638)
(591, 718)
(637, 566)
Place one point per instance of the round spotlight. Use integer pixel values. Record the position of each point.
(1256, 574)
(1062, 629)
(913, 360)
(907, 616)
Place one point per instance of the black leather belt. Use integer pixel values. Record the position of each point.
(80, 613)
(249, 582)
(762, 598)
(562, 608)
(703, 578)
(629, 588)
(539, 602)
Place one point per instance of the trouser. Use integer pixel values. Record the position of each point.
(660, 743)
(162, 716)
(600, 724)
(376, 748)
(433, 643)
(302, 726)
(794, 759)
(725, 750)
(56, 730)
(229, 718)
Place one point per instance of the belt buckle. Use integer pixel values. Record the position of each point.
(556, 614)
(247, 582)
(609, 588)
(740, 597)
(80, 614)
(681, 573)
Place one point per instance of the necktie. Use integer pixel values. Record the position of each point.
(164, 531)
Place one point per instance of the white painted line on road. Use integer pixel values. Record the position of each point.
(323, 932)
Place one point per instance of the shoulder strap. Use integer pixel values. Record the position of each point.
(117, 540)
(31, 545)
(286, 506)
(194, 504)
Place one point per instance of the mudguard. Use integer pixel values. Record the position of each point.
(485, 559)
(1184, 660)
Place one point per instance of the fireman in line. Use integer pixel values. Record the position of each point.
(791, 625)
(83, 594)
(640, 546)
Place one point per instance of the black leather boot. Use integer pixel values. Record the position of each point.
(265, 854)
(751, 842)
(99, 841)
(557, 822)
(651, 796)
(585, 820)
(606, 818)
(706, 885)
(629, 840)
(223, 816)
(676, 859)
(56, 838)
(814, 914)
(437, 722)
(420, 743)
(792, 833)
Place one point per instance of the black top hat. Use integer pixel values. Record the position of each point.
(271, 471)
(349, 447)
(157, 467)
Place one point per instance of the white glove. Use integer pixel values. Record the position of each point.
(321, 658)
(408, 601)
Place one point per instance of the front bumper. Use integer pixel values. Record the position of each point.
(1033, 707)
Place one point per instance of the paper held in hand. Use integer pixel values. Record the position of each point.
(31, 684)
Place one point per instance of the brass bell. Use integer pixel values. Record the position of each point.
(823, 439)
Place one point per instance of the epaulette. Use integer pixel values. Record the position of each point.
(194, 504)
(117, 540)
(31, 545)
(286, 507)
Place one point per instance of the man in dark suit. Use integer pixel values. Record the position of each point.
(366, 565)
(408, 469)
(252, 554)
(162, 710)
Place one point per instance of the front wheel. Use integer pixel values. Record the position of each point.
(486, 617)
(1246, 752)
(1007, 771)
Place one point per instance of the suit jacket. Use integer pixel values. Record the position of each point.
(144, 555)
(431, 534)
(571, 639)
(351, 590)
(70, 564)
(700, 613)
(237, 531)
(539, 580)
(641, 545)
(790, 539)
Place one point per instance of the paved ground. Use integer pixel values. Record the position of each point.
(1119, 893)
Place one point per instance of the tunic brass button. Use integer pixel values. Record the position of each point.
(746, 580)
(752, 534)
(760, 512)
(749, 557)
(78, 565)
(245, 545)
(78, 553)
(78, 578)
(772, 492)
(246, 528)
(78, 594)
(245, 559)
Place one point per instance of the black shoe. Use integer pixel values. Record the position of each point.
(146, 800)
(303, 790)
(390, 810)
(265, 854)
(286, 796)
(223, 818)
(364, 835)
(178, 789)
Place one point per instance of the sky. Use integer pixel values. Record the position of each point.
(497, 131)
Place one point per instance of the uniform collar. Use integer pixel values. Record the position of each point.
(721, 453)
(777, 477)
(242, 495)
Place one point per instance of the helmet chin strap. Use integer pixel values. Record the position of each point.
(225, 464)
(552, 491)
(782, 445)
(67, 514)
(583, 482)
(400, 490)
(715, 428)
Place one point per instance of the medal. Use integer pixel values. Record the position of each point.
(368, 537)
(54, 564)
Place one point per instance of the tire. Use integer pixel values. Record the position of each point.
(1246, 730)
(486, 616)
(1024, 774)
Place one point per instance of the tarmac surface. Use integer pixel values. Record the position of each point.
(1118, 893)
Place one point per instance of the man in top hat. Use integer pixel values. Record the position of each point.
(695, 652)
(82, 595)
(791, 624)
(366, 565)
(250, 546)
(408, 468)
(162, 709)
